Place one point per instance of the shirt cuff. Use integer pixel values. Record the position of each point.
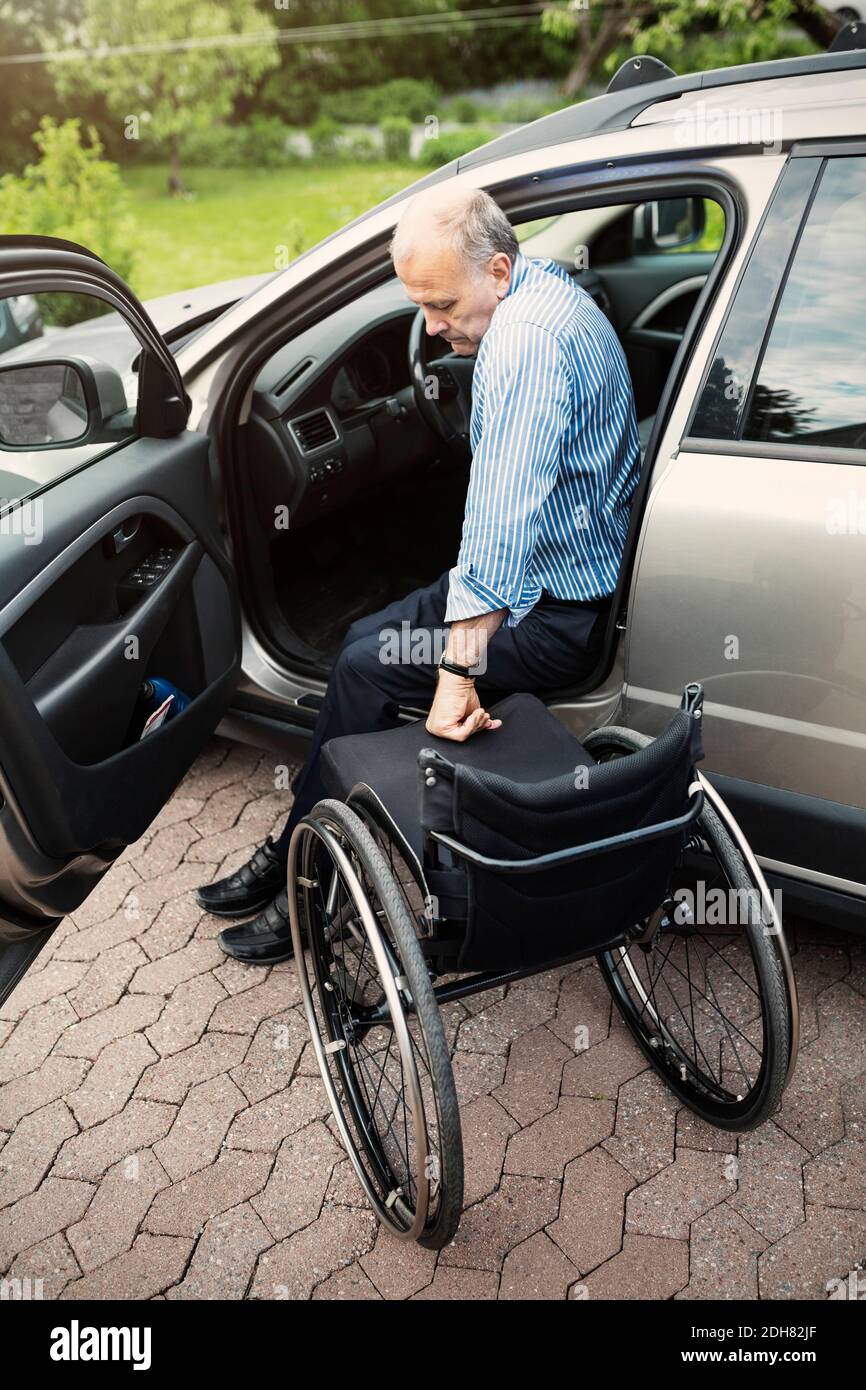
(469, 597)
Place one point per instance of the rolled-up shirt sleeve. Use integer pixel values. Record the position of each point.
(527, 403)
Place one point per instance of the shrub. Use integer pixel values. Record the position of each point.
(214, 147)
(462, 109)
(266, 143)
(397, 135)
(71, 192)
(363, 148)
(406, 96)
(451, 145)
(325, 136)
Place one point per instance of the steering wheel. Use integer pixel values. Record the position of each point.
(443, 390)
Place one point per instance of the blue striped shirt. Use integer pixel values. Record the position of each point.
(555, 451)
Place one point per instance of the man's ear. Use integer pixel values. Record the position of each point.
(501, 270)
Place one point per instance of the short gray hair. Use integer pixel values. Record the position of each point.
(468, 220)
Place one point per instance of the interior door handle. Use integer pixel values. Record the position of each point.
(124, 535)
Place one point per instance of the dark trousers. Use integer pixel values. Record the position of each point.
(553, 647)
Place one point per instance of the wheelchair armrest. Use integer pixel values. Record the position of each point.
(643, 835)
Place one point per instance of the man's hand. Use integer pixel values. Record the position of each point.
(456, 711)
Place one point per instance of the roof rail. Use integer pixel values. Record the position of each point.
(849, 38)
(616, 109)
(634, 72)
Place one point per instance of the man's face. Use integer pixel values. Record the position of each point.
(458, 299)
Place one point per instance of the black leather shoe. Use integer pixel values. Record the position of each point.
(249, 888)
(264, 940)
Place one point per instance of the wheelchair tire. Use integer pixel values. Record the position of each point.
(635, 976)
(359, 923)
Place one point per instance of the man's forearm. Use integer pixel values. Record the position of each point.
(468, 638)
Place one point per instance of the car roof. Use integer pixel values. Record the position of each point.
(616, 110)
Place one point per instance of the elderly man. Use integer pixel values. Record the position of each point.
(555, 458)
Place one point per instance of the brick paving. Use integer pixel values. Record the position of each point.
(163, 1131)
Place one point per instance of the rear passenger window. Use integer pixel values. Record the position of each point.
(811, 383)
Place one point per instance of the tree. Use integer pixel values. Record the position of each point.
(740, 30)
(160, 93)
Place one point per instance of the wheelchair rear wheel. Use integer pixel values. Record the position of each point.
(706, 987)
(375, 1025)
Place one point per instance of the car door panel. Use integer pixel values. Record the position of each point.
(122, 577)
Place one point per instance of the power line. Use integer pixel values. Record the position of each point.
(387, 27)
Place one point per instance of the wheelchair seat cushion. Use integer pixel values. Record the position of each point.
(531, 746)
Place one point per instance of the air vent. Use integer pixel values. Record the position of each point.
(294, 375)
(314, 431)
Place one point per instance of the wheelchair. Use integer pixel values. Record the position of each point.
(435, 870)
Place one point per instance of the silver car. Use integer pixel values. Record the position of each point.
(214, 504)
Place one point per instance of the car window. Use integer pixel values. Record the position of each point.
(68, 392)
(722, 402)
(811, 384)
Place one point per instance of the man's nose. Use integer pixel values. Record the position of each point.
(434, 323)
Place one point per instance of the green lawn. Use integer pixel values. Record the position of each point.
(235, 218)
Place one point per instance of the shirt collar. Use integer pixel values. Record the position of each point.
(518, 273)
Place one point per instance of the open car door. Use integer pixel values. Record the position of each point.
(113, 578)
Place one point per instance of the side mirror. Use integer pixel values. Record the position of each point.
(63, 400)
(669, 224)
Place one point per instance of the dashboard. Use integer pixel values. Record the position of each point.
(333, 411)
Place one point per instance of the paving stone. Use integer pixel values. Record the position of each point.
(224, 1259)
(668, 1203)
(498, 1024)
(109, 896)
(130, 1015)
(106, 979)
(519, 1208)
(695, 1133)
(57, 1076)
(811, 1108)
(837, 1177)
(222, 809)
(180, 808)
(770, 1182)
(476, 1074)
(344, 1189)
(242, 1013)
(537, 1269)
(200, 1128)
(166, 848)
(648, 1267)
(234, 975)
(92, 1153)
(300, 1178)
(533, 1075)
(270, 1063)
(852, 1095)
(643, 1139)
(723, 1256)
(264, 1125)
(125, 924)
(583, 1012)
(34, 1037)
(453, 1285)
(183, 1208)
(824, 1247)
(41, 1214)
(544, 1148)
(398, 1268)
(58, 977)
(152, 1265)
(185, 1016)
(171, 928)
(48, 1267)
(163, 975)
(589, 1228)
(842, 1040)
(171, 1078)
(184, 879)
(112, 1079)
(350, 1283)
(292, 1269)
(486, 1131)
(116, 1212)
(31, 1149)
(602, 1069)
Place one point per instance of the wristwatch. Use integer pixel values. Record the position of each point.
(465, 671)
